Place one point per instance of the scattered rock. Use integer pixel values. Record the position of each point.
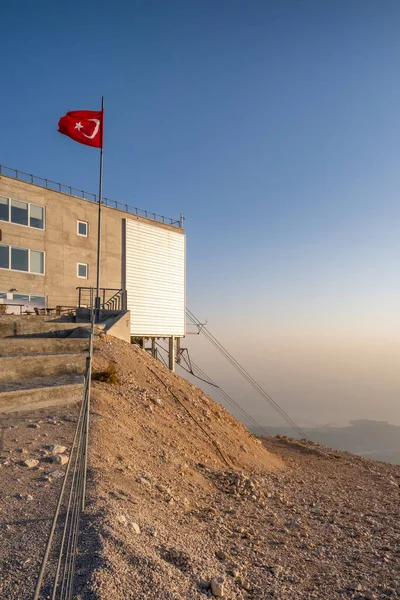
(355, 586)
(143, 481)
(26, 562)
(134, 526)
(27, 497)
(276, 570)
(163, 489)
(61, 459)
(56, 449)
(217, 587)
(56, 474)
(369, 596)
(122, 519)
(47, 478)
(33, 426)
(31, 463)
(70, 419)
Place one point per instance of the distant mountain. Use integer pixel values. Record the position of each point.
(378, 440)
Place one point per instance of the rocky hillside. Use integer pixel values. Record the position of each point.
(186, 504)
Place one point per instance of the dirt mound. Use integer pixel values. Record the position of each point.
(184, 503)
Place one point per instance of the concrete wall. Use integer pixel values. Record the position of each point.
(120, 327)
(63, 247)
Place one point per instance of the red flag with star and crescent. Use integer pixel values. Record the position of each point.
(83, 126)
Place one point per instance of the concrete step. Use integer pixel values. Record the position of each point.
(16, 368)
(40, 392)
(16, 345)
(34, 326)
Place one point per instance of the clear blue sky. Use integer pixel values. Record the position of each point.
(274, 126)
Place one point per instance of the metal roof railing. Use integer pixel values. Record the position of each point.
(67, 189)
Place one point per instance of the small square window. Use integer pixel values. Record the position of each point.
(82, 270)
(82, 228)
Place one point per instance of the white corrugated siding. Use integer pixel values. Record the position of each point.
(155, 279)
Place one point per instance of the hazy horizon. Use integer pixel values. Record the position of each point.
(329, 380)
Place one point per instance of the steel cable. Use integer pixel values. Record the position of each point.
(205, 378)
(62, 586)
(245, 374)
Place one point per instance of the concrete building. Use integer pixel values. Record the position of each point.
(48, 246)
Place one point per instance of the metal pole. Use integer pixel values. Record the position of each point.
(87, 418)
(97, 317)
(171, 353)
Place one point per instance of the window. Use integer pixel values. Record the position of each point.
(82, 228)
(19, 259)
(37, 262)
(36, 216)
(21, 297)
(4, 257)
(82, 270)
(19, 212)
(3, 296)
(4, 209)
(38, 299)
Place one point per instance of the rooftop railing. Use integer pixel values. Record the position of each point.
(67, 189)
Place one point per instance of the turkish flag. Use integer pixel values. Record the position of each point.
(83, 126)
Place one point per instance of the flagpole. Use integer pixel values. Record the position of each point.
(97, 300)
(95, 316)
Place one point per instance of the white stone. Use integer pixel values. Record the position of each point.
(57, 449)
(60, 459)
(122, 519)
(31, 463)
(134, 526)
(143, 481)
(217, 587)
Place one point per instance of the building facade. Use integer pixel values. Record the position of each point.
(48, 248)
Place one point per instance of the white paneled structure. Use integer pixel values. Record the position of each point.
(155, 279)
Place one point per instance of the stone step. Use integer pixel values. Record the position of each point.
(40, 392)
(16, 345)
(16, 368)
(33, 326)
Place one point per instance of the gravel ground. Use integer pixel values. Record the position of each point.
(28, 494)
(182, 497)
(184, 503)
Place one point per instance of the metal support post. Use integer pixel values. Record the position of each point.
(97, 300)
(171, 354)
(178, 350)
(153, 347)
